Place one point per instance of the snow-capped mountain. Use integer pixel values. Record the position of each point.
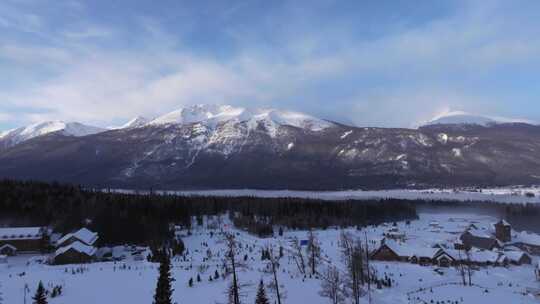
(464, 118)
(136, 122)
(219, 121)
(213, 115)
(453, 118)
(19, 135)
(231, 147)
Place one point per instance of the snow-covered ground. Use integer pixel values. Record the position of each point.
(133, 281)
(513, 195)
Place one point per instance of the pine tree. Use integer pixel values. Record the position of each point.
(261, 295)
(163, 289)
(40, 297)
(314, 252)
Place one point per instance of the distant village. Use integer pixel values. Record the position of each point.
(473, 246)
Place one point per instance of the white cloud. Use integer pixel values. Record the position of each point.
(5, 117)
(89, 32)
(25, 54)
(418, 70)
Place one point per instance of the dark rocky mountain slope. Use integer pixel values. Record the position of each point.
(248, 154)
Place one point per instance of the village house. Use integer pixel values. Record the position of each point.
(518, 257)
(75, 248)
(82, 235)
(395, 234)
(527, 242)
(486, 258)
(424, 256)
(524, 241)
(74, 253)
(8, 250)
(473, 238)
(22, 239)
(390, 250)
(447, 258)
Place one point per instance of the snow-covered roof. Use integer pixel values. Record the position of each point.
(504, 223)
(102, 251)
(84, 235)
(119, 251)
(527, 238)
(479, 234)
(454, 254)
(404, 250)
(77, 246)
(8, 246)
(425, 252)
(20, 233)
(514, 256)
(484, 256)
(400, 249)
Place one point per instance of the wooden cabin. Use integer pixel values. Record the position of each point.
(74, 253)
(22, 239)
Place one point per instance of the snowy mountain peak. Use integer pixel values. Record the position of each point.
(464, 118)
(198, 113)
(16, 136)
(212, 115)
(136, 122)
(459, 117)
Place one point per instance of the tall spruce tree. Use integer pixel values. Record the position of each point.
(163, 289)
(40, 297)
(261, 295)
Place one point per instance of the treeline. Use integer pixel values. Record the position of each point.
(144, 218)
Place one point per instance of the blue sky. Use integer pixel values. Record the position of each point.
(369, 63)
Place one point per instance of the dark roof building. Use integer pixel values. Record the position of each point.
(22, 239)
(74, 253)
(475, 239)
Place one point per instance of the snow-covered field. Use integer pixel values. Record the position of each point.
(134, 281)
(514, 195)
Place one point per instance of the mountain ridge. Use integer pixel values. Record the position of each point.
(228, 147)
(239, 156)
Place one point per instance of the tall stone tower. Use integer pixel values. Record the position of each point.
(503, 231)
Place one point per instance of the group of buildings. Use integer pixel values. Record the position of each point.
(72, 248)
(474, 247)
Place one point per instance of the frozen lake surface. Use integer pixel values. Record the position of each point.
(514, 195)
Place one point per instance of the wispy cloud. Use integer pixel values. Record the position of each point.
(104, 72)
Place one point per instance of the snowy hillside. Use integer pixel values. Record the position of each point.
(16, 136)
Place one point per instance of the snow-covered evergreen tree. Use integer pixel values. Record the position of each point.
(40, 297)
(164, 290)
(261, 295)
